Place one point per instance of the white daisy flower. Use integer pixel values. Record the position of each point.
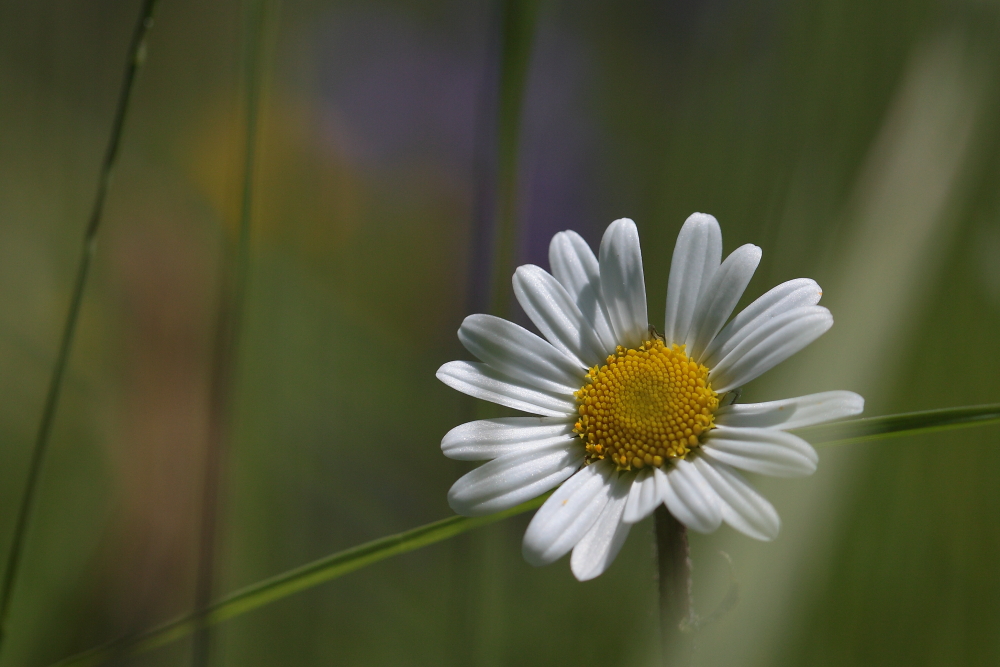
(627, 420)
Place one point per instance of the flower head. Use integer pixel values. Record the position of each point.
(627, 419)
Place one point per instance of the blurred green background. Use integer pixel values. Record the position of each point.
(855, 141)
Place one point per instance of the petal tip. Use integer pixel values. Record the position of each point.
(768, 536)
(632, 515)
(458, 505)
(521, 273)
(770, 531)
(442, 372)
(623, 222)
(584, 573)
(701, 220)
(531, 556)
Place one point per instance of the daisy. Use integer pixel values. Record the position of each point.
(626, 418)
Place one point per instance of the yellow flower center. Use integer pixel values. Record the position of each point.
(645, 406)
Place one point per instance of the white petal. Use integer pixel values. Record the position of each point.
(597, 550)
(689, 497)
(573, 262)
(742, 507)
(567, 515)
(786, 296)
(769, 345)
(792, 413)
(489, 438)
(556, 315)
(767, 451)
(642, 498)
(481, 381)
(720, 297)
(520, 354)
(697, 255)
(622, 282)
(511, 480)
(575, 267)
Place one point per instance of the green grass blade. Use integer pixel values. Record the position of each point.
(343, 562)
(236, 268)
(907, 423)
(136, 56)
(299, 579)
(518, 31)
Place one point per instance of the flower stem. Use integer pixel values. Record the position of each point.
(674, 569)
(136, 55)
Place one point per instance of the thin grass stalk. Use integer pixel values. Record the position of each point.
(228, 326)
(343, 562)
(479, 286)
(518, 32)
(869, 429)
(136, 57)
(479, 636)
(484, 170)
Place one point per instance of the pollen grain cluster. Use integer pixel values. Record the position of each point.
(645, 406)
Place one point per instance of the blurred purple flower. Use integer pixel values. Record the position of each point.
(398, 95)
(560, 146)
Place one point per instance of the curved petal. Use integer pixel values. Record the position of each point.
(520, 354)
(597, 550)
(720, 297)
(489, 438)
(786, 296)
(742, 507)
(697, 255)
(792, 413)
(512, 479)
(575, 267)
(642, 498)
(567, 515)
(573, 263)
(769, 345)
(481, 381)
(689, 497)
(622, 283)
(556, 315)
(767, 451)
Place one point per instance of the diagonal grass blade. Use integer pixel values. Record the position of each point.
(906, 423)
(293, 581)
(343, 562)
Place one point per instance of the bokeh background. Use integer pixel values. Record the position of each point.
(855, 141)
